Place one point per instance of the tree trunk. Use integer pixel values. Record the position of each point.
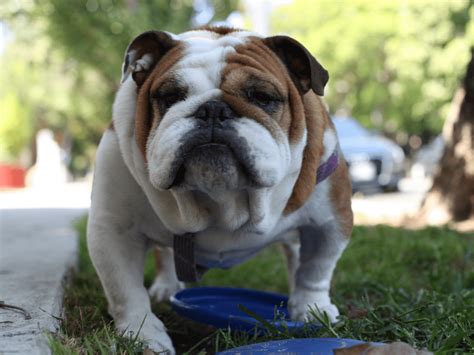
(451, 198)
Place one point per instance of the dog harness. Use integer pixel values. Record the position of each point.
(183, 245)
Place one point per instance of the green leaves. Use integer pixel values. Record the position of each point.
(15, 127)
(394, 66)
(64, 63)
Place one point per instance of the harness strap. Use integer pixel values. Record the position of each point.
(186, 268)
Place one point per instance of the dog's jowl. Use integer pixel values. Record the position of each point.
(220, 146)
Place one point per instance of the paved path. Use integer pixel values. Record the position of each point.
(390, 208)
(38, 249)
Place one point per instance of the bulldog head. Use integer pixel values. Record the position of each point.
(221, 109)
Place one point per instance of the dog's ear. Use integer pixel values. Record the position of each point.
(143, 53)
(305, 70)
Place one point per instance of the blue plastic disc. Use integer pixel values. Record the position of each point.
(237, 308)
(313, 346)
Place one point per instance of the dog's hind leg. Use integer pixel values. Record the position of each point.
(320, 249)
(166, 283)
(323, 238)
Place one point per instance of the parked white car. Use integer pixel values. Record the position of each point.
(374, 161)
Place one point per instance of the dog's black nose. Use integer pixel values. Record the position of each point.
(214, 111)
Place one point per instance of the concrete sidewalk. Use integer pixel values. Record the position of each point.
(38, 249)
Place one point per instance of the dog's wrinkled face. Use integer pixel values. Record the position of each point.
(220, 111)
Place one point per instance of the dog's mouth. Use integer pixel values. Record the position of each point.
(204, 154)
(220, 161)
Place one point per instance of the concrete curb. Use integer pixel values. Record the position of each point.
(38, 251)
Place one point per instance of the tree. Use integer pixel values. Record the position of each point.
(15, 128)
(33, 88)
(452, 194)
(73, 52)
(393, 65)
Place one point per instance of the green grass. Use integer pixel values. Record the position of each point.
(390, 284)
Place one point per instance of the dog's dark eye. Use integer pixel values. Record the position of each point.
(169, 99)
(264, 100)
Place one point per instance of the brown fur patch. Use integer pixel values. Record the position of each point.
(254, 60)
(221, 30)
(145, 114)
(238, 78)
(341, 194)
(317, 120)
(111, 126)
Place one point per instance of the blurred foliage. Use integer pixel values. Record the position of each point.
(15, 128)
(394, 65)
(63, 65)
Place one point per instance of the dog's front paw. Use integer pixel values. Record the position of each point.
(162, 289)
(150, 330)
(303, 303)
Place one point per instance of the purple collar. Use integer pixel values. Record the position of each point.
(328, 167)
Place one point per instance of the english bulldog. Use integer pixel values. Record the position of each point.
(219, 147)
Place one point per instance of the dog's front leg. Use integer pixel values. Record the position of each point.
(320, 249)
(166, 283)
(118, 257)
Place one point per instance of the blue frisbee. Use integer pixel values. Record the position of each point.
(313, 346)
(237, 308)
